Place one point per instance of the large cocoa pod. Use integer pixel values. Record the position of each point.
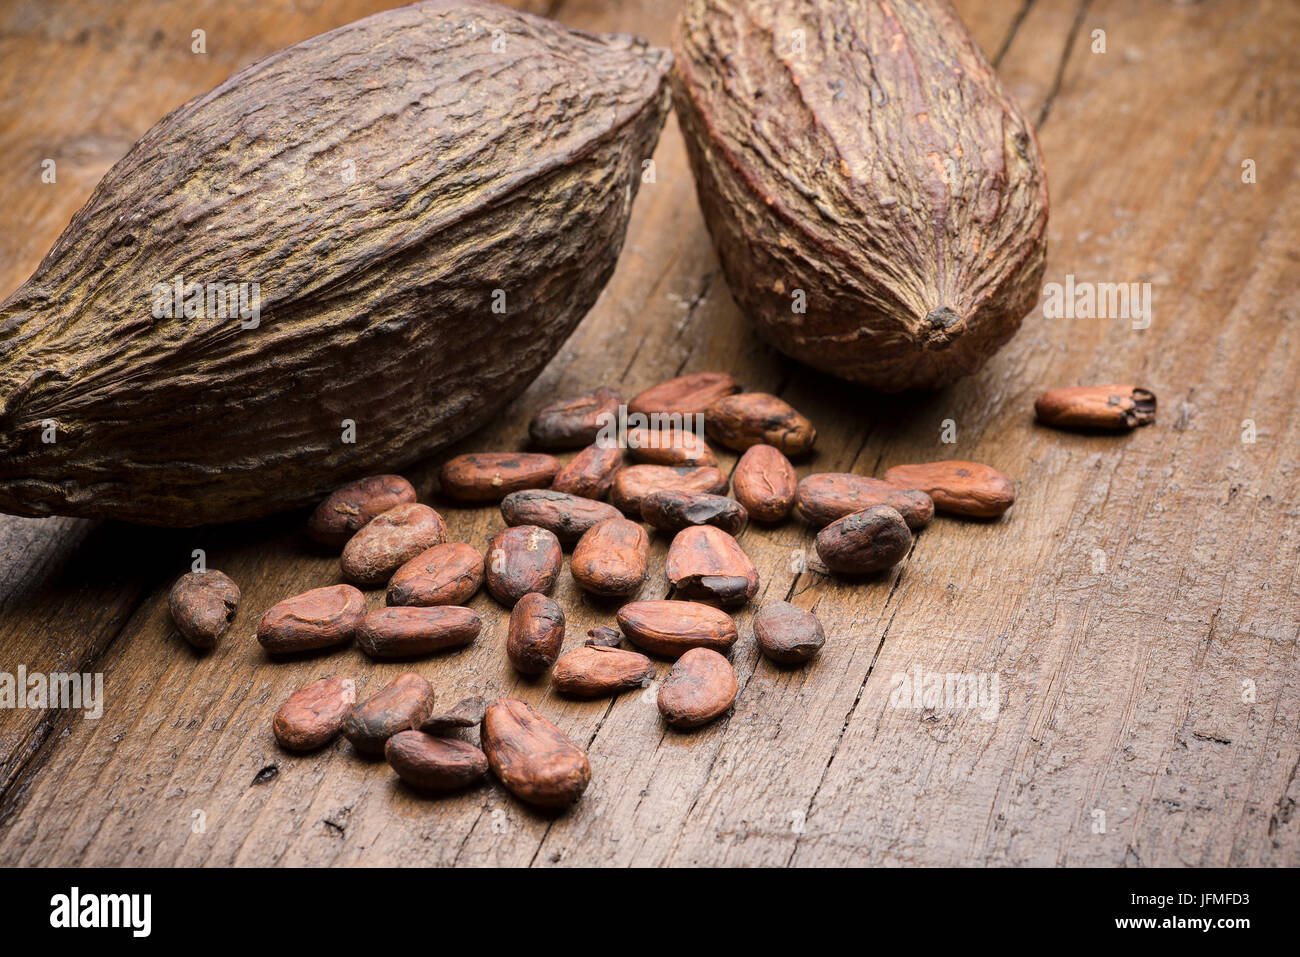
(378, 182)
(863, 160)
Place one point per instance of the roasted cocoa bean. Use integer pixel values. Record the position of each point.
(603, 636)
(612, 558)
(467, 713)
(575, 421)
(668, 628)
(634, 483)
(315, 619)
(787, 634)
(313, 715)
(569, 517)
(689, 394)
(670, 511)
(535, 634)
(669, 447)
(434, 764)
(591, 472)
(405, 632)
(390, 540)
(959, 488)
(533, 758)
(595, 671)
(868, 541)
(706, 563)
(491, 476)
(824, 497)
(765, 482)
(700, 687)
(520, 560)
(202, 605)
(404, 704)
(754, 418)
(1096, 407)
(448, 574)
(346, 509)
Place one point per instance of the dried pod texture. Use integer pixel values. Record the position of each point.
(670, 511)
(315, 619)
(787, 634)
(612, 558)
(573, 422)
(957, 487)
(706, 563)
(202, 605)
(313, 716)
(596, 671)
(520, 560)
(868, 541)
(491, 476)
(389, 541)
(753, 418)
(669, 628)
(669, 446)
(826, 496)
(448, 574)
(591, 472)
(404, 632)
(568, 517)
(689, 394)
(346, 509)
(1097, 407)
(700, 687)
(487, 143)
(634, 483)
(404, 704)
(765, 482)
(533, 758)
(433, 764)
(884, 172)
(535, 634)
(467, 713)
(603, 636)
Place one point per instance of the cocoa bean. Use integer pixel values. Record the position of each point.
(348, 508)
(520, 560)
(602, 636)
(434, 764)
(612, 558)
(491, 476)
(405, 632)
(202, 606)
(569, 517)
(535, 635)
(404, 704)
(313, 715)
(670, 511)
(634, 483)
(824, 497)
(575, 421)
(597, 671)
(467, 713)
(448, 574)
(787, 634)
(669, 447)
(755, 418)
(764, 482)
(315, 619)
(591, 472)
(706, 563)
(390, 540)
(669, 628)
(868, 541)
(1096, 407)
(959, 488)
(689, 394)
(533, 758)
(701, 686)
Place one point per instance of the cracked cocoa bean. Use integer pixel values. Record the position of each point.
(957, 487)
(824, 497)
(390, 540)
(612, 558)
(787, 634)
(448, 574)
(467, 713)
(491, 476)
(569, 517)
(315, 619)
(700, 687)
(669, 628)
(313, 715)
(765, 482)
(434, 764)
(1096, 407)
(348, 508)
(408, 631)
(602, 636)
(535, 634)
(591, 472)
(202, 606)
(670, 511)
(533, 758)
(596, 671)
(868, 541)
(575, 421)
(706, 563)
(520, 560)
(689, 394)
(633, 484)
(404, 704)
(754, 418)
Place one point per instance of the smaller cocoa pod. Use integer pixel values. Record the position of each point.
(575, 421)
(753, 418)
(670, 511)
(591, 472)
(700, 687)
(313, 715)
(447, 574)
(315, 619)
(612, 558)
(533, 758)
(787, 634)
(595, 671)
(567, 516)
(390, 540)
(826, 496)
(960, 488)
(706, 563)
(407, 631)
(202, 605)
(868, 541)
(520, 560)
(467, 713)
(434, 764)
(404, 704)
(535, 634)
(348, 508)
(689, 394)
(491, 476)
(603, 636)
(633, 484)
(669, 628)
(669, 447)
(765, 482)
(1096, 407)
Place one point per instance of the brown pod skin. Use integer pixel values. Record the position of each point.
(567, 516)
(1113, 407)
(403, 632)
(826, 496)
(520, 560)
(612, 558)
(428, 763)
(346, 509)
(447, 574)
(757, 418)
(707, 564)
(202, 605)
(573, 422)
(491, 476)
(669, 446)
(957, 487)
(765, 482)
(535, 634)
(670, 511)
(467, 713)
(315, 619)
(787, 634)
(390, 540)
(404, 704)
(603, 636)
(669, 628)
(591, 472)
(689, 394)
(533, 758)
(868, 541)
(700, 687)
(313, 715)
(634, 483)
(597, 671)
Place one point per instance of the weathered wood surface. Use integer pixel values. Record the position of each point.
(1138, 588)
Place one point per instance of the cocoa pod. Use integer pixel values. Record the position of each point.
(520, 560)
(787, 634)
(912, 225)
(597, 671)
(689, 394)
(603, 636)
(408, 631)
(957, 487)
(568, 517)
(491, 476)
(756, 418)
(670, 511)
(590, 473)
(535, 634)
(312, 716)
(765, 482)
(826, 496)
(318, 618)
(346, 509)
(202, 606)
(612, 558)
(668, 628)
(701, 686)
(533, 758)
(868, 541)
(634, 483)
(474, 162)
(467, 713)
(390, 540)
(1096, 407)
(706, 563)
(404, 704)
(447, 574)
(575, 421)
(428, 763)
(669, 447)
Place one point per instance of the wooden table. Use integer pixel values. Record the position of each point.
(1139, 604)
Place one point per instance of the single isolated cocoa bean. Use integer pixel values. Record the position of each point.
(612, 558)
(787, 634)
(533, 758)
(429, 763)
(826, 496)
(603, 636)
(634, 483)
(390, 540)
(575, 421)
(700, 687)
(669, 446)
(408, 631)
(491, 476)
(313, 715)
(670, 511)
(591, 472)
(959, 488)
(669, 628)
(1096, 407)
(346, 509)
(708, 564)
(404, 704)
(596, 671)
(569, 517)
(315, 619)
(467, 713)
(520, 560)
(868, 541)
(689, 394)
(765, 483)
(535, 635)
(756, 418)
(202, 605)
(447, 574)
